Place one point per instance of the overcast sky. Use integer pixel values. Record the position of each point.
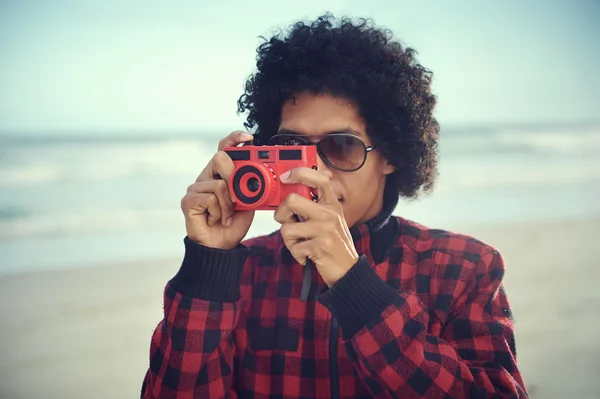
(111, 65)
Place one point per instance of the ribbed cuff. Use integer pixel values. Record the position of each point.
(209, 273)
(357, 298)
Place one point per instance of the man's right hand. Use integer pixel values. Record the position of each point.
(208, 208)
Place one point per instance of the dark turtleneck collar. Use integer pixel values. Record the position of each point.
(380, 230)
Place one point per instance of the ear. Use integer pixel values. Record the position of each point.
(388, 168)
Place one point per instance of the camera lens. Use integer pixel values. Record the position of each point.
(253, 184)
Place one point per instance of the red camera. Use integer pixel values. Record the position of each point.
(255, 184)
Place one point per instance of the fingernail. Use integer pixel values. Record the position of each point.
(285, 176)
(229, 222)
(247, 136)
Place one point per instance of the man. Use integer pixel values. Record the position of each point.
(395, 309)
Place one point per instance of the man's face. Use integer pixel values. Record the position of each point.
(360, 192)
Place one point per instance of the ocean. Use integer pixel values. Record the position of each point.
(77, 201)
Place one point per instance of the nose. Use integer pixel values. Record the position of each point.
(324, 167)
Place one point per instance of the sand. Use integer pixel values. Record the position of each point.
(85, 333)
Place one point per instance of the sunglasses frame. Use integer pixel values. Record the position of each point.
(305, 141)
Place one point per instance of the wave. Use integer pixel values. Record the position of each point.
(26, 165)
(12, 212)
(53, 225)
(50, 163)
(565, 141)
(458, 178)
(514, 173)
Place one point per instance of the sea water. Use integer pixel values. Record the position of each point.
(81, 200)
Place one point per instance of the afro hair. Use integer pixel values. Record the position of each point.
(358, 62)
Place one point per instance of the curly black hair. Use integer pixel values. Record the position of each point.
(363, 64)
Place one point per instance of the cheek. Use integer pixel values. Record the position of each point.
(359, 184)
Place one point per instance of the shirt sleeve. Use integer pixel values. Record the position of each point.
(386, 336)
(192, 348)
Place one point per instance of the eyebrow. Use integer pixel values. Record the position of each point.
(339, 131)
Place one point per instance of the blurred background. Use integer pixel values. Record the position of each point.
(110, 109)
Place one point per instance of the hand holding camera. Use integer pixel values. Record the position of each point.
(219, 207)
(322, 235)
(210, 218)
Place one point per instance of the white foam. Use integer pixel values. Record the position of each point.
(573, 140)
(32, 174)
(89, 222)
(118, 221)
(32, 165)
(516, 173)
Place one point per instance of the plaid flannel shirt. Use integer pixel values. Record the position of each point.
(422, 314)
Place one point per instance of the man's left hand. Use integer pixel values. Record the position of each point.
(322, 235)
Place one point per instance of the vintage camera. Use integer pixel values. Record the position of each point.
(255, 184)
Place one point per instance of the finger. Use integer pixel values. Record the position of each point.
(295, 204)
(194, 204)
(314, 179)
(234, 138)
(220, 167)
(210, 204)
(301, 251)
(220, 189)
(293, 232)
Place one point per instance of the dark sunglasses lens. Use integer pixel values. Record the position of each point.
(344, 152)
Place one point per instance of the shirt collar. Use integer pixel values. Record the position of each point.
(374, 237)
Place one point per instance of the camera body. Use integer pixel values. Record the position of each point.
(254, 183)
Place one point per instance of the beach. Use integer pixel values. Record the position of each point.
(85, 332)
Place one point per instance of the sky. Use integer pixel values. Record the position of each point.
(113, 66)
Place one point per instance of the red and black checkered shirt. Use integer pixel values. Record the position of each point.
(423, 314)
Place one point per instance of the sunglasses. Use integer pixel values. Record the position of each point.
(342, 151)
